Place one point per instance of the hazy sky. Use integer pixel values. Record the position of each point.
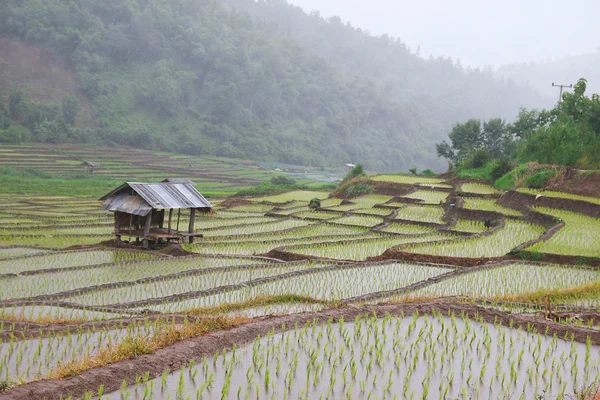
(479, 32)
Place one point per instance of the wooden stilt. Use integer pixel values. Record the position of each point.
(147, 229)
(192, 220)
(117, 227)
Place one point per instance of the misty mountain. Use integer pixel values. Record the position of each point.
(254, 80)
(442, 91)
(565, 71)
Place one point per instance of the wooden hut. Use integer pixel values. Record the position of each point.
(143, 209)
(91, 166)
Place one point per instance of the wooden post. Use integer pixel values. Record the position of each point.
(161, 222)
(178, 217)
(170, 219)
(130, 226)
(192, 220)
(147, 228)
(117, 227)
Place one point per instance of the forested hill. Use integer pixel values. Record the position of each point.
(196, 77)
(439, 91)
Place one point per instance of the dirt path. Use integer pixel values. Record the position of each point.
(175, 356)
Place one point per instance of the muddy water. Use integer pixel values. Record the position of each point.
(417, 357)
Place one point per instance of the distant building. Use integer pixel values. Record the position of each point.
(140, 208)
(91, 166)
(349, 167)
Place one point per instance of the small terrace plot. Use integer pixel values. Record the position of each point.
(510, 279)
(68, 259)
(496, 244)
(579, 237)
(473, 203)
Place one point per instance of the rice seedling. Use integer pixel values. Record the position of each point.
(470, 226)
(408, 229)
(407, 179)
(512, 279)
(375, 358)
(496, 244)
(579, 237)
(431, 214)
(359, 220)
(361, 249)
(473, 203)
(68, 259)
(428, 196)
(478, 188)
(560, 195)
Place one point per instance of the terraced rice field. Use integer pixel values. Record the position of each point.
(140, 165)
(372, 299)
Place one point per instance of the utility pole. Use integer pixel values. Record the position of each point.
(561, 89)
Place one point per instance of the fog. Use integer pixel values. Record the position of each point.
(480, 33)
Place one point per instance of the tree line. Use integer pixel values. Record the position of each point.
(568, 134)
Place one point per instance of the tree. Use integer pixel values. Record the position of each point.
(4, 117)
(70, 109)
(497, 139)
(16, 105)
(464, 138)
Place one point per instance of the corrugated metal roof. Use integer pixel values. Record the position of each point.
(126, 203)
(160, 195)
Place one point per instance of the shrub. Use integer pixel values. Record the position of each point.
(500, 168)
(540, 178)
(357, 189)
(428, 172)
(476, 159)
(10, 136)
(282, 180)
(413, 171)
(357, 171)
(315, 203)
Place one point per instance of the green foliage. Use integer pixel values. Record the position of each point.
(500, 168)
(202, 77)
(354, 187)
(314, 203)
(413, 171)
(282, 180)
(357, 189)
(4, 117)
(428, 172)
(476, 158)
(567, 135)
(70, 109)
(530, 255)
(5, 385)
(357, 171)
(483, 172)
(16, 105)
(30, 180)
(10, 136)
(473, 144)
(540, 178)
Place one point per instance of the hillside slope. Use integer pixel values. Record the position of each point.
(41, 76)
(438, 90)
(194, 77)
